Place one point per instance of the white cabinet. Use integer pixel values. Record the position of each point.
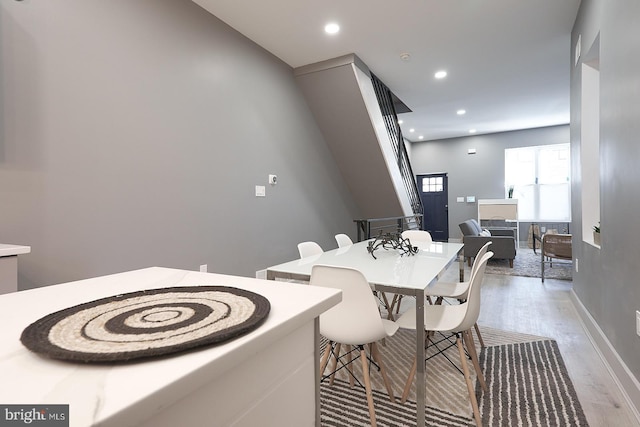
(501, 210)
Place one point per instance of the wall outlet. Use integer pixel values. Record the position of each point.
(638, 322)
(204, 268)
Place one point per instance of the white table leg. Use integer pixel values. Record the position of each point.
(420, 374)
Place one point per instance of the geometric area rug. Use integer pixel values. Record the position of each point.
(528, 385)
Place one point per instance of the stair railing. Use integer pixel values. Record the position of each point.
(385, 100)
(372, 227)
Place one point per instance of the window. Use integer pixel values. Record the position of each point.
(540, 179)
(590, 141)
(432, 184)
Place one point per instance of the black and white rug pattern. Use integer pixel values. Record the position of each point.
(342, 406)
(146, 324)
(528, 385)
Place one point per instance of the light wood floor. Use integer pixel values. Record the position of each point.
(526, 305)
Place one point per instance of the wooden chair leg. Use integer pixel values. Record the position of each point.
(367, 386)
(377, 357)
(407, 386)
(412, 372)
(471, 348)
(399, 302)
(349, 360)
(475, 326)
(325, 358)
(335, 364)
(467, 377)
(387, 306)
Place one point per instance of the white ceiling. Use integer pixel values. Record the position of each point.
(508, 61)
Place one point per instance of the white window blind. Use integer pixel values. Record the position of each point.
(541, 180)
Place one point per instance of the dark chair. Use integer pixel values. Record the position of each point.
(503, 246)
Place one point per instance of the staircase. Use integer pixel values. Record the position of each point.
(356, 114)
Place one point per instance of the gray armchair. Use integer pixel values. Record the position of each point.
(503, 246)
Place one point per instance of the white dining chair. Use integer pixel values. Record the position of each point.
(456, 320)
(354, 323)
(418, 237)
(307, 249)
(343, 240)
(458, 290)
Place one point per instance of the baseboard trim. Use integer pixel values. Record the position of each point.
(624, 378)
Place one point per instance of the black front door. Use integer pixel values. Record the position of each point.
(435, 199)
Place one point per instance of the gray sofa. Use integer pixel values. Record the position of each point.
(503, 241)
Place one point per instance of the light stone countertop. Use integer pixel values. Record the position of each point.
(11, 250)
(127, 394)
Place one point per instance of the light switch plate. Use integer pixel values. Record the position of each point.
(261, 191)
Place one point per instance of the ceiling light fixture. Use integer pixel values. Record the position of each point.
(461, 112)
(421, 137)
(472, 131)
(405, 56)
(400, 122)
(412, 130)
(331, 28)
(440, 74)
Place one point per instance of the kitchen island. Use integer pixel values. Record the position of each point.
(9, 266)
(270, 373)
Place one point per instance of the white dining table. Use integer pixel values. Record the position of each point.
(389, 271)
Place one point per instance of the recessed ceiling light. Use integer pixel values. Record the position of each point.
(440, 74)
(405, 56)
(461, 112)
(421, 137)
(332, 28)
(472, 131)
(400, 122)
(412, 130)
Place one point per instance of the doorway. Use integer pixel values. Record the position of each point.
(435, 199)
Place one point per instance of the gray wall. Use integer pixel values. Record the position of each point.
(481, 174)
(607, 281)
(133, 134)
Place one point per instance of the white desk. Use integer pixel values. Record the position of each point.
(9, 266)
(269, 374)
(407, 275)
